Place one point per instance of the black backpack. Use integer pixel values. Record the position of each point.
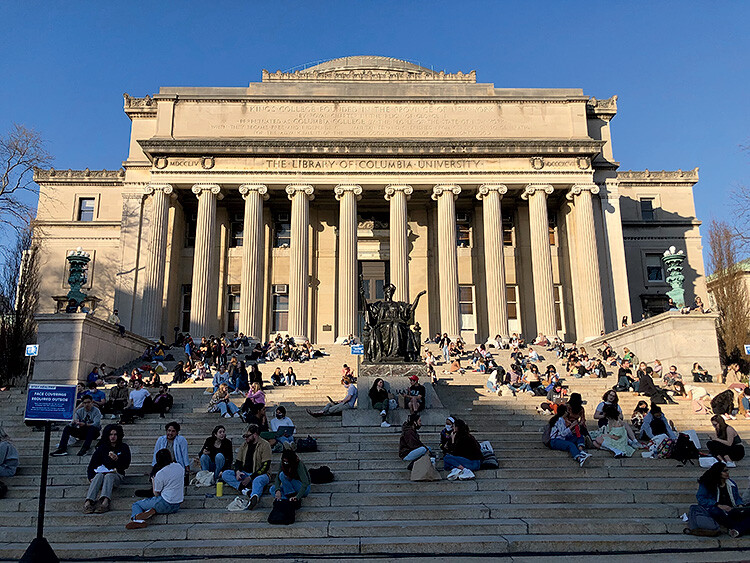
(684, 449)
(320, 475)
(283, 512)
(308, 444)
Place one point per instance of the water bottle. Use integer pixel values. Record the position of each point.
(219, 488)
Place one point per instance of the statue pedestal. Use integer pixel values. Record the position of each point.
(396, 379)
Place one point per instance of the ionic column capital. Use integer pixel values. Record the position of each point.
(151, 188)
(215, 189)
(441, 189)
(262, 190)
(391, 190)
(485, 189)
(306, 189)
(531, 188)
(341, 189)
(580, 188)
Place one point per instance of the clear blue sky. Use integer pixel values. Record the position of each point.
(680, 69)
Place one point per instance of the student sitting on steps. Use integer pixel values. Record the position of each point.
(252, 467)
(464, 453)
(410, 446)
(337, 407)
(558, 435)
(168, 490)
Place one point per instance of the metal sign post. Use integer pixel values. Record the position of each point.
(47, 404)
(32, 351)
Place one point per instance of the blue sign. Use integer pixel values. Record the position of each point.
(747, 349)
(358, 349)
(54, 403)
(32, 350)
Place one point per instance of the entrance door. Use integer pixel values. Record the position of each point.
(374, 277)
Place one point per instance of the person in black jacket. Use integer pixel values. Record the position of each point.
(217, 452)
(106, 469)
(163, 401)
(464, 453)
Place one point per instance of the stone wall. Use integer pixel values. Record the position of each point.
(71, 344)
(672, 338)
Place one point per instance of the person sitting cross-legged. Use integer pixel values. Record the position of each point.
(720, 496)
(106, 470)
(337, 407)
(168, 489)
(464, 453)
(86, 424)
(293, 480)
(221, 402)
(410, 447)
(252, 468)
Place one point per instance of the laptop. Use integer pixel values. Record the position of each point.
(287, 431)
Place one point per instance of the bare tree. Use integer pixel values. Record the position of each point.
(728, 287)
(21, 150)
(19, 295)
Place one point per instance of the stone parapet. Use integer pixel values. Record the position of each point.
(672, 338)
(70, 344)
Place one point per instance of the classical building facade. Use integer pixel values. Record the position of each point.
(259, 209)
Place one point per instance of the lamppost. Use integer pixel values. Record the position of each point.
(673, 260)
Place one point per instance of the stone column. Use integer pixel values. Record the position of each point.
(544, 298)
(612, 219)
(156, 258)
(590, 307)
(251, 300)
(398, 195)
(494, 261)
(446, 195)
(347, 195)
(203, 299)
(298, 260)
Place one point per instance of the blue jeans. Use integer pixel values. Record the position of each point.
(157, 503)
(290, 487)
(229, 407)
(291, 379)
(215, 465)
(453, 461)
(569, 445)
(416, 454)
(258, 484)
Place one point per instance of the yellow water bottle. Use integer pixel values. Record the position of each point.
(219, 489)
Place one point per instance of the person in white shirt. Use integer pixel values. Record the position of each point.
(168, 488)
(140, 403)
(281, 420)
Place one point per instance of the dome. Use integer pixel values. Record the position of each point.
(367, 63)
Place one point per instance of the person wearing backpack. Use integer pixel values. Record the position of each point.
(720, 496)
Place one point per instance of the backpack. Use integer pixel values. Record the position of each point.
(684, 449)
(700, 522)
(664, 449)
(320, 475)
(546, 435)
(282, 513)
(308, 444)
(489, 459)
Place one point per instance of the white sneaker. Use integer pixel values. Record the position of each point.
(453, 475)
(227, 415)
(236, 415)
(384, 424)
(382, 413)
(583, 457)
(466, 474)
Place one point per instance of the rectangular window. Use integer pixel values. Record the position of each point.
(282, 231)
(552, 229)
(511, 295)
(185, 297)
(191, 221)
(557, 292)
(280, 313)
(466, 306)
(233, 308)
(508, 229)
(647, 209)
(654, 268)
(236, 230)
(463, 230)
(86, 208)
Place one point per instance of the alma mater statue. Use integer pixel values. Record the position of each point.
(389, 333)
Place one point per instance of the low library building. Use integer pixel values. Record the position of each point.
(264, 209)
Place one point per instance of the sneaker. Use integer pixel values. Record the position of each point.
(583, 457)
(236, 415)
(143, 516)
(384, 424)
(83, 451)
(59, 452)
(227, 415)
(453, 475)
(253, 502)
(733, 533)
(88, 507)
(382, 413)
(135, 525)
(245, 492)
(466, 474)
